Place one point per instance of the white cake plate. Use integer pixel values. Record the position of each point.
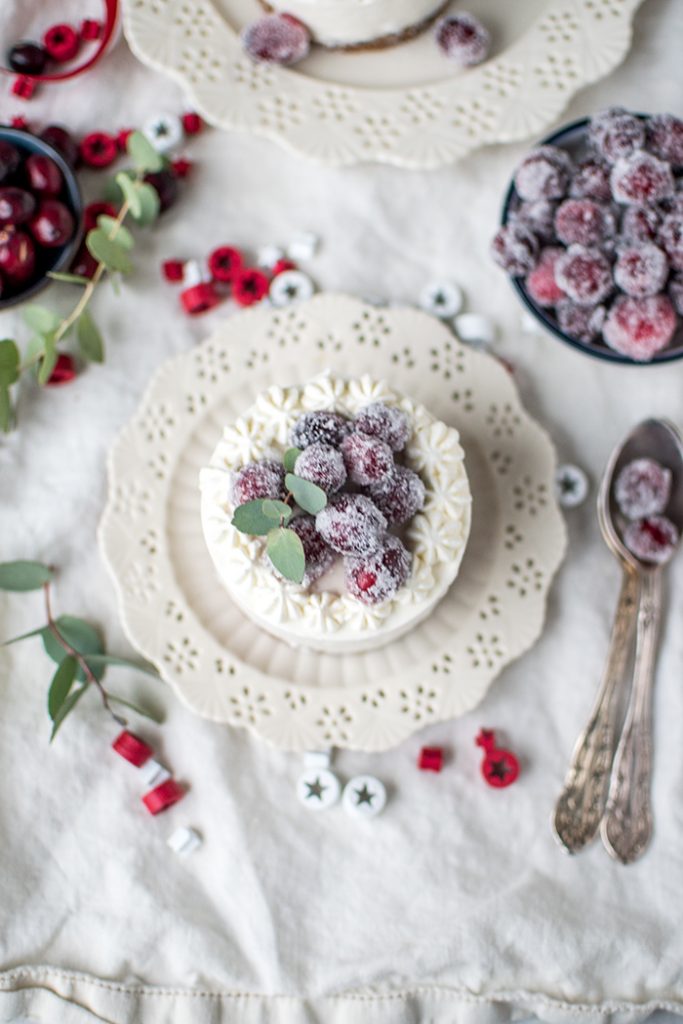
(178, 615)
(406, 105)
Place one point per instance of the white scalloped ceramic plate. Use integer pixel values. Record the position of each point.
(404, 105)
(222, 665)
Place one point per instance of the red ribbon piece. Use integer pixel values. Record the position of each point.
(163, 796)
(132, 748)
(500, 768)
(430, 759)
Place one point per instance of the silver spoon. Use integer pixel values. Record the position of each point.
(626, 827)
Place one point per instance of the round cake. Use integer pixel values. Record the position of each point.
(350, 24)
(363, 587)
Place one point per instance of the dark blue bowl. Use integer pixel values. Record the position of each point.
(573, 138)
(48, 259)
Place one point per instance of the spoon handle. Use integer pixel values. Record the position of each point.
(627, 825)
(581, 803)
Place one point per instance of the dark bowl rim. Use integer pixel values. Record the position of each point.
(588, 348)
(75, 204)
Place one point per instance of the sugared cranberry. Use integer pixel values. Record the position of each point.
(95, 210)
(540, 283)
(264, 479)
(583, 221)
(322, 465)
(641, 179)
(616, 134)
(670, 237)
(515, 249)
(165, 185)
(664, 134)
(351, 524)
(654, 539)
(538, 217)
(64, 371)
(368, 460)
(277, 39)
(639, 328)
(249, 286)
(676, 292)
(61, 42)
(224, 263)
(17, 255)
(10, 159)
(319, 556)
(584, 274)
(27, 58)
(322, 427)
(641, 270)
(376, 578)
(583, 323)
(84, 263)
(98, 149)
(16, 205)
(385, 422)
(640, 223)
(43, 174)
(591, 181)
(53, 224)
(60, 139)
(463, 39)
(643, 488)
(543, 174)
(400, 497)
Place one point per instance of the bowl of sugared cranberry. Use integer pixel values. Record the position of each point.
(40, 214)
(592, 235)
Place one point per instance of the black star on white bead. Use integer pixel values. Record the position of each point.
(315, 789)
(364, 795)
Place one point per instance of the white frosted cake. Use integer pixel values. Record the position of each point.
(357, 23)
(370, 585)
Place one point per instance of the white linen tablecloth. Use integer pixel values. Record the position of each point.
(456, 904)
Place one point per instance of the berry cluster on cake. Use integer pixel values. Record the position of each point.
(354, 24)
(374, 489)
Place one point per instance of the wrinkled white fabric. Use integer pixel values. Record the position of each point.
(456, 905)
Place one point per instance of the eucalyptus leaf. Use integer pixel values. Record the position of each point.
(5, 410)
(66, 708)
(78, 634)
(149, 204)
(250, 518)
(108, 251)
(276, 510)
(286, 552)
(9, 362)
(62, 681)
(111, 659)
(137, 708)
(23, 636)
(41, 319)
(58, 275)
(142, 153)
(48, 361)
(308, 496)
(127, 187)
(289, 459)
(22, 576)
(113, 229)
(89, 338)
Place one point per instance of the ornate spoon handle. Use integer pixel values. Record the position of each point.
(627, 825)
(582, 801)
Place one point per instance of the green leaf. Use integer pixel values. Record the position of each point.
(89, 338)
(143, 154)
(149, 204)
(41, 319)
(49, 360)
(289, 458)
(112, 187)
(5, 410)
(62, 681)
(138, 709)
(111, 659)
(308, 496)
(78, 634)
(23, 636)
(24, 575)
(276, 510)
(286, 552)
(66, 708)
(108, 251)
(9, 362)
(127, 186)
(113, 229)
(58, 275)
(250, 518)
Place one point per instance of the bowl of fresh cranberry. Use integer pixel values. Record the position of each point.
(592, 235)
(41, 214)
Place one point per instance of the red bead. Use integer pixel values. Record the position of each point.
(64, 371)
(500, 768)
(95, 210)
(225, 263)
(20, 123)
(23, 87)
(98, 149)
(249, 286)
(122, 138)
(172, 270)
(132, 748)
(430, 759)
(200, 298)
(181, 167)
(90, 29)
(163, 796)
(281, 266)
(61, 43)
(192, 123)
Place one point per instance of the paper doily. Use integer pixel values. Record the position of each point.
(224, 667)
(404, 105)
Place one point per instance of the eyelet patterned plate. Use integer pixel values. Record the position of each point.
(223, 666)
(405, 105)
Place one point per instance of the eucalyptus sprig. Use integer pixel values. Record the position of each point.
(109, 243)
(74, 645)
(269, 518)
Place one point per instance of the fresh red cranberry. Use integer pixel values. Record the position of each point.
(401, 497)
(16, 205)
(639, 328)
(643, 488)
(540, 283)
(463, 39)
(95, 210)
(351, 524)
(385, 422)
(376, 578)
(84, 263)
(318, 555)
(224, 263)
(277, 39)
(320, 427)
(368, 460)
(165, 185)
(17, 255)
(515, 249)
(616, 134)
(256, 480)
(64, 371)
(10, 159)
(27, 58)
(98, 149)
(322, 465)
(60, 139)
(53, 224)
(43, 175)
(543, 174)
(61, 42)
(249, 286)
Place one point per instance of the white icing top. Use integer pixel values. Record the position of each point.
(353, 22)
